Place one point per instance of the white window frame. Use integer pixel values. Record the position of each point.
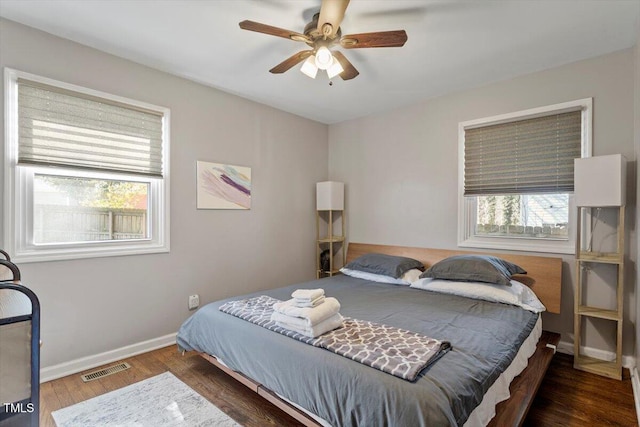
(18, 189)
(467, 206)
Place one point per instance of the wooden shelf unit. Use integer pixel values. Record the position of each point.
(613, 368)
(334, 243)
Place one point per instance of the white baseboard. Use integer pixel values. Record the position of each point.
(566, 347)
(78, 365)
(635, 383)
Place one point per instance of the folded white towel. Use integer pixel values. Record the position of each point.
(310, 316)
(321, 328)
(304, 303)
(307, 294)
(298, 322)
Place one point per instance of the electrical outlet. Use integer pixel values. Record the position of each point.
(194, 302)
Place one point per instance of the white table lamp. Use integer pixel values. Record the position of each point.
(330, 196)
(600, 181)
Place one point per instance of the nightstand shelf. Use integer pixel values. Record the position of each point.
(332, 239)
(586, 260)
(322, 273)
(599, 313)
(330, 227)
(610, 369)
(606, 257)
(331, 242)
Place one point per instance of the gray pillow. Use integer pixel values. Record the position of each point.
(474, 268)
(387, 265)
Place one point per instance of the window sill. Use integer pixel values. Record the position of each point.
(520, 244)
(78, 252)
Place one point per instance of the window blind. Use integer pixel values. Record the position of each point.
(58, 127)
(528, 156)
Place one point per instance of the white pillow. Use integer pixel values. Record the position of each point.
(407, 278)
(411, 275)
(530, 300)
(517, 294)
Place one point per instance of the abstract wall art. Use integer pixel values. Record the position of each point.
(223, 186)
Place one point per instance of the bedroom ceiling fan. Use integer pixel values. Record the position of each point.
(322, 34)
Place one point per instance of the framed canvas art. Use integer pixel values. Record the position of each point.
(221, 186)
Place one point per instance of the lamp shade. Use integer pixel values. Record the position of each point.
(335, 69)
(324, 59)
(330, 196)
(600, 181)
(309, 67)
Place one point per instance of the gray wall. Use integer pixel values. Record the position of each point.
(401, 167)
(637, 227)
(95, 305)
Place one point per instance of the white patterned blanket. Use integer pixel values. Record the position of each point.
(395, 351)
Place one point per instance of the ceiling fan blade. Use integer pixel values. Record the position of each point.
(291, 61)
(273, 31)
(331, 15)
(350, 71)
(380, 39)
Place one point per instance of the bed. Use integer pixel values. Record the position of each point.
(491, 345)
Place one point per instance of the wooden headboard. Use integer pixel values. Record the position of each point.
(544, 274)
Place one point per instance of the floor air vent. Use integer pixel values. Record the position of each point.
(105, 372)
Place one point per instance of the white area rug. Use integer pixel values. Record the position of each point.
(159, 401)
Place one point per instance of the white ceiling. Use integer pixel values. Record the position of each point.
(452, 44)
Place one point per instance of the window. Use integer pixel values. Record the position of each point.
(516, 178)
(85, 172)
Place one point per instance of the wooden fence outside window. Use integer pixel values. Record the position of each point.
(58, 224)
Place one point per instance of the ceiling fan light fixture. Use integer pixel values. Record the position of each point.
(323, 33)
(309, 67)
(324, 58)
(334, 69)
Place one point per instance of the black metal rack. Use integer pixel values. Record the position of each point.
(24, 412)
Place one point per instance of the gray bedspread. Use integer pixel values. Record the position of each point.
(484, 336)
(395, 351)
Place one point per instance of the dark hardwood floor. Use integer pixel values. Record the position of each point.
(567, 397)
